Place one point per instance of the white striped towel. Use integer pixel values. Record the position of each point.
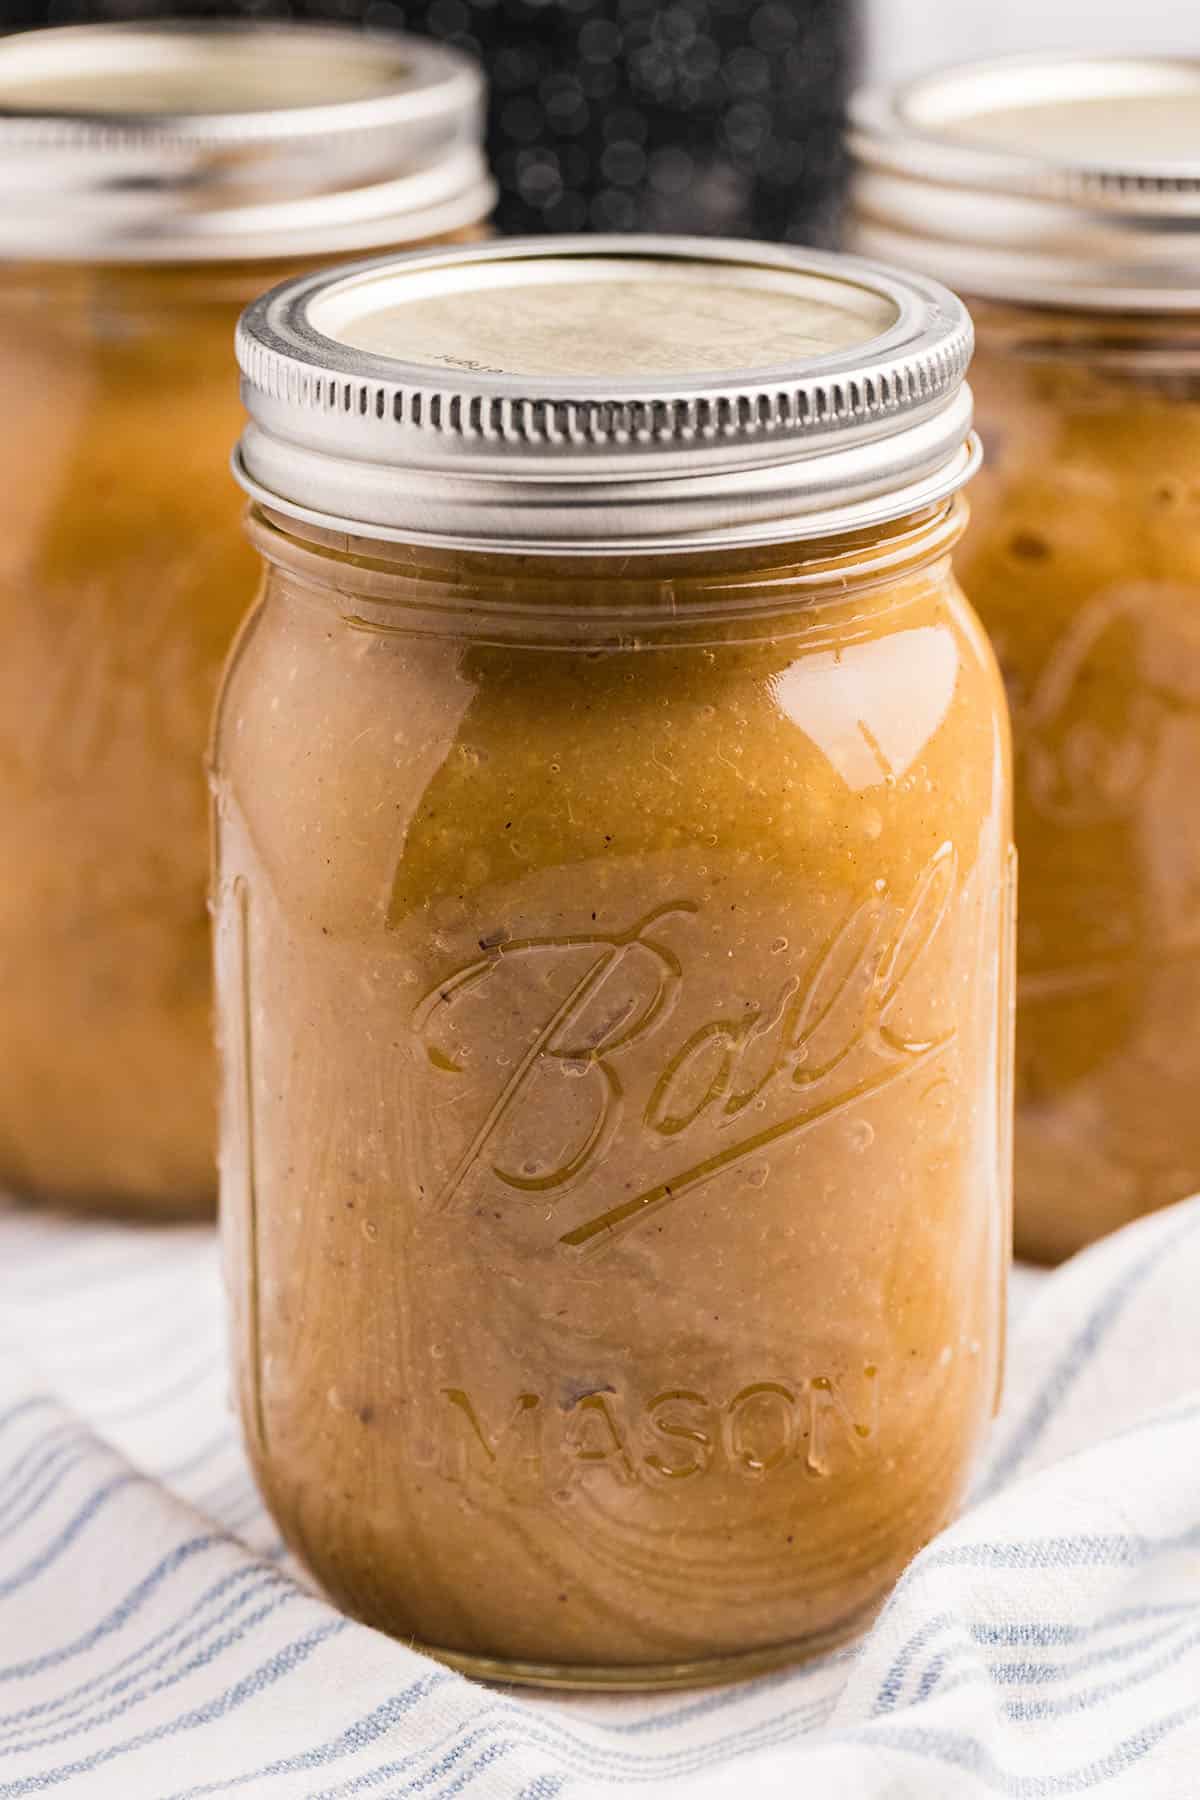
(154, 1644)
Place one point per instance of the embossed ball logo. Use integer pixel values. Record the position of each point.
(548, 1052)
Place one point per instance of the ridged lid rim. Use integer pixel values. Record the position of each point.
(437, 79)
(312, 397)
(399, 161)
(887, 132)
(1054, 228)
(284, 358)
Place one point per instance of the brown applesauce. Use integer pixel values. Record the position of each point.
(123, 575)
(1083, 559)
(615, 1036)
(124, 572)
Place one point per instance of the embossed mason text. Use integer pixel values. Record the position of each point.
(680, 1434)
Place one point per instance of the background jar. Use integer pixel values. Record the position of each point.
(155, 178)
(1060, 197)
(612, 894)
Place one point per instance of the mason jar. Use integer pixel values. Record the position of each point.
(1062, 197)
(613, 894)
(153, 179)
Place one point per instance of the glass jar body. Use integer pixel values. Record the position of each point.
(1083, 559)
(123, 575)
(614, 1002)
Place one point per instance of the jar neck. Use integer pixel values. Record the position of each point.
(673, 591)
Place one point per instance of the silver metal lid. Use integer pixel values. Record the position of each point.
(214, 141)
(1060, 180)
(600, 394)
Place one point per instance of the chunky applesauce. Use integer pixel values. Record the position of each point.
(1083, 559)
(128, 247)
(613, 999)
(123, 575)
(124, 572)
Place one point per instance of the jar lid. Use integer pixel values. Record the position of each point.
(220, 140)
(1063, 180)
(599, 394)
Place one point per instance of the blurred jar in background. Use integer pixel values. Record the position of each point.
(152, 180)
(632, 115)
(1061, 196)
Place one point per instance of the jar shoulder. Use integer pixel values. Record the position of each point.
(427, 764)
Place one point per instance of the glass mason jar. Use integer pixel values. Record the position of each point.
(1070, 222)
(612, 892)
(128, 249)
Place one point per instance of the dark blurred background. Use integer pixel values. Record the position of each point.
(618, 115)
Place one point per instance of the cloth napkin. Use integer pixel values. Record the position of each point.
(156, 1644)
